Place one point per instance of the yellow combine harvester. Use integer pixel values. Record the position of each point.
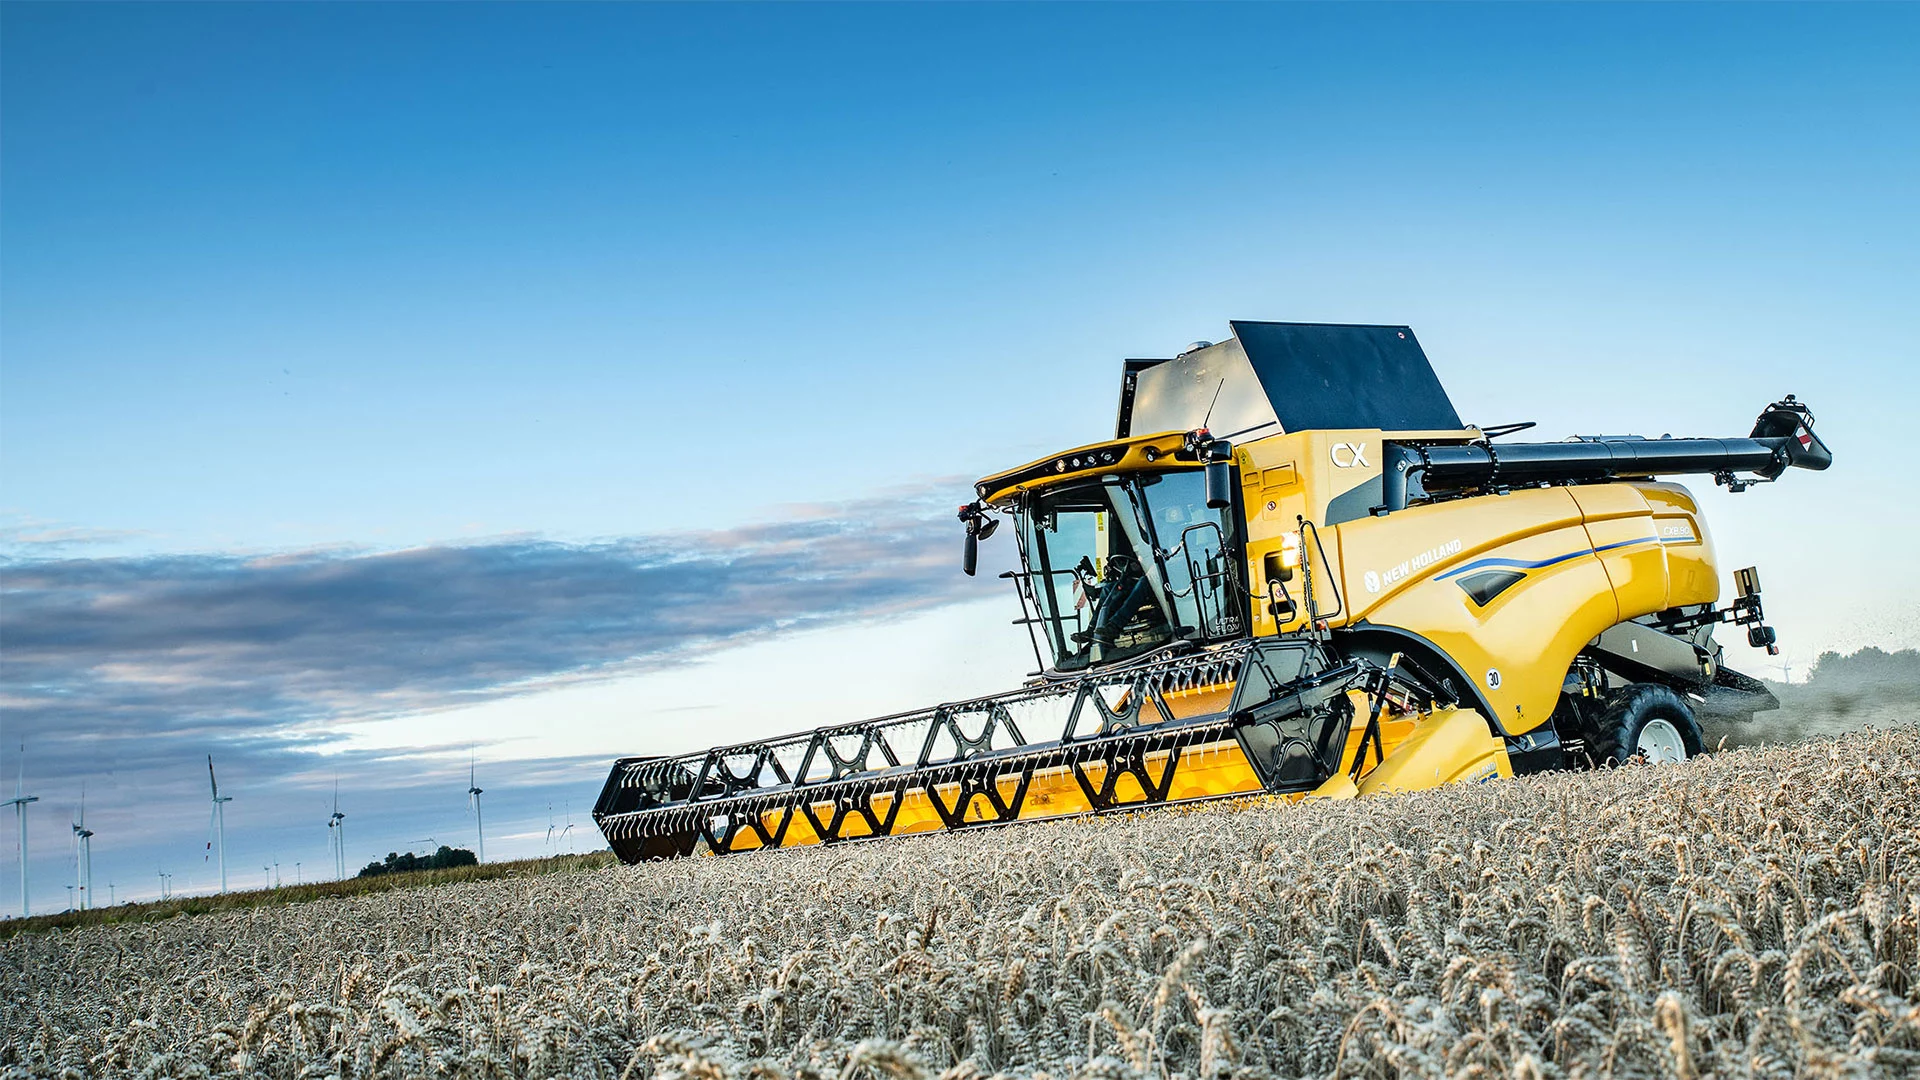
(1293, 571)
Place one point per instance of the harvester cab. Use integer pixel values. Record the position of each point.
(1292, 571)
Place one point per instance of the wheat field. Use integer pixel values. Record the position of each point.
(1753, 913)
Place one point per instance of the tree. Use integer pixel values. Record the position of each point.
(1868, 671)
(445, 859)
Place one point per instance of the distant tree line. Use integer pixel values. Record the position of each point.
(445, 859)
(1868, 671)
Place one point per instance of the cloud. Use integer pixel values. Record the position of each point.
(236, 643)
(34, 537)
(130, 669)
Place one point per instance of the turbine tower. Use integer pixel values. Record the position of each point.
(83, 866)
(219, 821)
(19, 803)
(473, 800)
(337, 830)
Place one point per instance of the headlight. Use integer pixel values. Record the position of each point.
(1290, 551)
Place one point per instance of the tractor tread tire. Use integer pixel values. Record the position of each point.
(1616, 734)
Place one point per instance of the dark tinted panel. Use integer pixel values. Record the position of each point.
(1484, 586)
(1321, 376)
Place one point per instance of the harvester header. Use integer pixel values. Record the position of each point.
(1293, 571)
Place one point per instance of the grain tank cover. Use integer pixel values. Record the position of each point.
(1273, 377)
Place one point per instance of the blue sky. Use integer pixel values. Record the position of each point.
(317, 318)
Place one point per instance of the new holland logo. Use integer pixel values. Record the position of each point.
(1394, 575)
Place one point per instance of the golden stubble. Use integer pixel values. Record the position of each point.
(1753, 913)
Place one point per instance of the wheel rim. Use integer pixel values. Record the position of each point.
(1660, 744)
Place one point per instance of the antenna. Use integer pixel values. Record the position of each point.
(1207, 421)
(473, 800)
(83, 861)
(218, 822)
(19, 803)
(337, 835)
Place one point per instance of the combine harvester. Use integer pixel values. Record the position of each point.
(1343, 592)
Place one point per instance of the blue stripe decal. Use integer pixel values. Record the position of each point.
(1535, 564)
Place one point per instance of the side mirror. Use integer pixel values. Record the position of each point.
(979, 527)
(1218, 455)
(1219, 485)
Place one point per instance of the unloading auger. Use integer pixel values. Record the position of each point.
(1293, 571)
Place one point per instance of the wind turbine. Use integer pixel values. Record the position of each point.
(219, 822)
(19, 803)
(337, 829)
(83, 866)
(473, 800)
(550, 830)
(568, 829)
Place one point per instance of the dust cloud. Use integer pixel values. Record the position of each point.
(1870, 688)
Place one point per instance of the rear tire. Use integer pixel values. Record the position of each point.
(1647, 722)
